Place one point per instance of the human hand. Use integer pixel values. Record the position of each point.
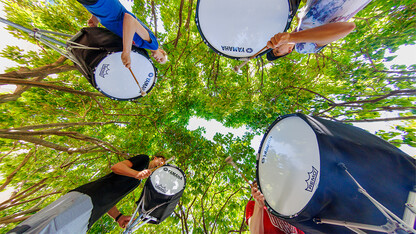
(125, 58)
(93, 21)
(159, 55)
(278, 40)
(123, 221)
(143, 174)
(257, 195)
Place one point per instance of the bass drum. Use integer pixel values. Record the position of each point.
(99, 60)
(238, 29)
(164, 188)
(298, 173)
(114, 80)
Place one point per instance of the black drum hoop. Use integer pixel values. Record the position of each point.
(269, 208)
(289, 21)
(137, 50)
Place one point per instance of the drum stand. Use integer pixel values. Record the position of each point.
(51, 42)
(394, 224)
(144, 217)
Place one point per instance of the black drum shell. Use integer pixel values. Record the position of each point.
(384, 171)
(152, 198)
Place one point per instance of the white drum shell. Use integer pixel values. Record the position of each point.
(114, 80)
(289, 166)
(241, 28)
(168, 180)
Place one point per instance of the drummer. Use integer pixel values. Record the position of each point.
(320, 23)
(78, 210)
(115, 17)
(261, 221)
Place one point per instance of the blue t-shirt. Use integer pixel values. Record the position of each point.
(111, 15)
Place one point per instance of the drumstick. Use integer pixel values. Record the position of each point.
(141, 90)
(237, 68)
(229, 160)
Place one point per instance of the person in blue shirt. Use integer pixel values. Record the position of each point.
(320, 23)
(116, 18)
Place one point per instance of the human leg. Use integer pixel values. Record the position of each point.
(69, 214)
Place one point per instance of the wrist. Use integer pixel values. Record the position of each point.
(291, 37)
(296, 37)
(259, 204)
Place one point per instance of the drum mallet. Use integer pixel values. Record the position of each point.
(141, 90)
(237, 68)
(229, 160)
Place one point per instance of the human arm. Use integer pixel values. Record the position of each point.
(130, 27)
(255, 222)
(125, 168)
(93, 21)
(321, 35)
(122, 220)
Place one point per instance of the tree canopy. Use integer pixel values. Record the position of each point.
(57, 132)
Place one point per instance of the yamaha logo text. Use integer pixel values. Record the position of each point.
(310, 182)
(147, 81)
(266, 149)
(237, 49)
(175, 174)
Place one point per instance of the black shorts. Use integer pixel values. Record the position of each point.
(88, 2)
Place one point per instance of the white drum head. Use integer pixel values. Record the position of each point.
(168, 180)
(113, 79)
(289, 166)
(241, 28)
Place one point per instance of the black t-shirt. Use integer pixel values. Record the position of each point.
(110, 189)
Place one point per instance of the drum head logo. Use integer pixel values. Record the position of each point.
(104, 70)
(236, 49)
(266, 149)
(310, 182)
(161, 188)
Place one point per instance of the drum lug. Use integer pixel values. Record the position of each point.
(317, 220)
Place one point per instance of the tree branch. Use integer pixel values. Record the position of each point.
(178, 35)
(48, 144)
(225, 203)
(53, 68)
(378, 120)
(48, 86)
(63, 125)
(10, 177)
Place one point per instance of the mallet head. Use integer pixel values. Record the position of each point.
(229, 159)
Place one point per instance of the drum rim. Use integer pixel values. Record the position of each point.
(137, 50)
(288, 23)
(184, 178)
(269, 208)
